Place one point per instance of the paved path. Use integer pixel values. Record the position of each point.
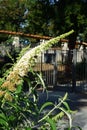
(76, 101)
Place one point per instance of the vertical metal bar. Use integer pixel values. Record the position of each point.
(85, 57)
(55, 72)
(55, 75)
(41, 62)
(74, 69)
(86, 63)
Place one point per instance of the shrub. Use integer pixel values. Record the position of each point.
(20, 110)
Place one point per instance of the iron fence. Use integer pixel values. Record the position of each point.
(64, 69)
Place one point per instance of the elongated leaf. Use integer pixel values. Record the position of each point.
(28, 129)
(65, 96)
(46, 105)
(42, 81)
(27, 80)
(10, 56)
(58, 116)
(3, 123)
(68, 128)
(15, 106)
(68, 115)
(2, 116)
(52, 123)
(1, 81)
(66, 105)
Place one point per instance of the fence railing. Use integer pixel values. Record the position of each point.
(64, 68)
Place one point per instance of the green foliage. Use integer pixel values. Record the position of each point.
(42, 17)
(21, 110)
(25, 113)
(12, 14)
(23, 51)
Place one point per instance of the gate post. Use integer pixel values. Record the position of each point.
(74, 70)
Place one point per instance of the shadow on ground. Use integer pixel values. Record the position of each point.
(76, 100)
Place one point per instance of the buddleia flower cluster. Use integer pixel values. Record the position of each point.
(22, 66)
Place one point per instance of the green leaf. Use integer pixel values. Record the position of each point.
(28, 128)
(11, 118)
(68, 115)
(19, 88)
(1, 81)
(15, 106)
(65, 96)
(46, 105)
(68, 128)
(66, 105)
(4, 123)
(10, 56)
(52, 123)
(2, 115)
(58, 116)
(41, 79)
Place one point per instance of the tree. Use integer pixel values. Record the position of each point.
(38, 17)
(72, 14)
(12, 15)
(43, 16)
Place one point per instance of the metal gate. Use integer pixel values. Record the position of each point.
(64, 69)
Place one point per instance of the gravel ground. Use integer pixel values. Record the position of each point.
(77, 101)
